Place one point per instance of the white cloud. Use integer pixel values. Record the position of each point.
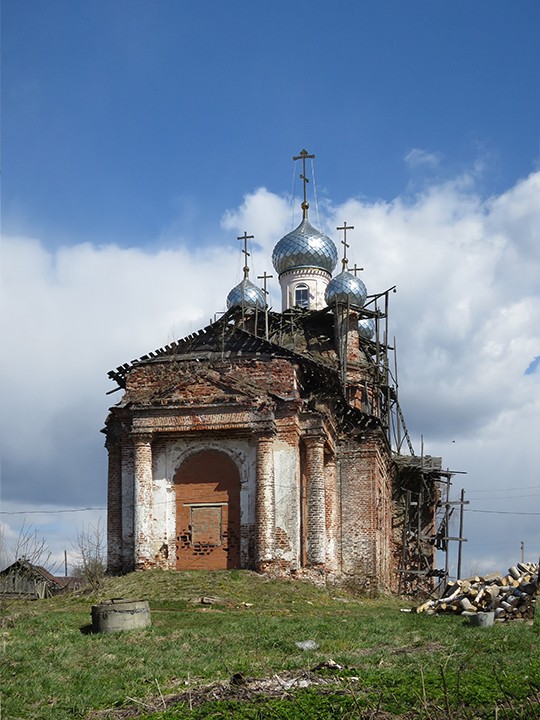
(466, 317)
(262, 214)
(467, 321)
(417, 158)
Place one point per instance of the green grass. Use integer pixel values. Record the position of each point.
(400, 662)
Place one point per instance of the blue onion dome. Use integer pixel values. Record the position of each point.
(345, 288)
(304, 247)
(366, 328)
(246, 294)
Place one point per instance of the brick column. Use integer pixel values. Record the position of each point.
(114, 506)
(316, 520)
(265, 510)
(143, 500)
(332, 519)
(128, 483)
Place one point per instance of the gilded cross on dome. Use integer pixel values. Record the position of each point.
(345, 227)
(304, 155)
(245, 237)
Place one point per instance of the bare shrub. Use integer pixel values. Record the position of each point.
(91, 551)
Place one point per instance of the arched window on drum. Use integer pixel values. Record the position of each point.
(301, 295)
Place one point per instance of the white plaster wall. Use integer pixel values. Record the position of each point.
(316, 280)
(167, 460)
(287, 498)
(164, 518)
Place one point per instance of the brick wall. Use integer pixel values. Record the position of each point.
(295, 496)
(114, 507)
(365, 512)
(207, 488)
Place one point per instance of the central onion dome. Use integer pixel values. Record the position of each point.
(304, 247)
(246, 295)
(345, 289)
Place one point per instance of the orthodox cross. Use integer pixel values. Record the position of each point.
(264, 277)
(304, 155)
(245, 237)
(345, 227)
(356, 269)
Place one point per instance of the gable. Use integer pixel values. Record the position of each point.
(189, 383)
(224, 363)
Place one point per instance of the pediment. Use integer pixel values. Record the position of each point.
(198, 384)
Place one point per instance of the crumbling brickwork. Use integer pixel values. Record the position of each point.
(207, 523)
(230, 450)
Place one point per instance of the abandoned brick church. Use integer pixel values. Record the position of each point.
(273, 441)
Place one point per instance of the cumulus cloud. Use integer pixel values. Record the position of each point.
(261, 210)
(417, 157)
(69, 316)
(466, 318)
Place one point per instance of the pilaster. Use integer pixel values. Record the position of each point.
(143, 500)
(114, 506)
(316, 506)
(331, 512)
(265, 509)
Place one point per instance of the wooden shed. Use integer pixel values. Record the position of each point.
(22, 579)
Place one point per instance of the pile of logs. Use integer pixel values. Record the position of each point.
(510, 597)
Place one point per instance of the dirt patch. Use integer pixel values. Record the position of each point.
(282, 685)
(429, 648)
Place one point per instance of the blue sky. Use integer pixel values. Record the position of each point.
(140, 138)
(122, 120)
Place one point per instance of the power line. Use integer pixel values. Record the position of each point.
(84, 509)
(527, 487)
(74, 510)
(48, 512)
(503, 512)
(509, 497)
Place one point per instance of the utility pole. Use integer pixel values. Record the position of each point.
(460, 534)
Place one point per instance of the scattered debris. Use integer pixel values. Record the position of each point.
(328, 665)
(207, 601)
(307, 645)
(238, 679)
(482, 619)
(509, 597)
(238, 687)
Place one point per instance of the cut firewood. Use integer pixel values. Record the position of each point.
(511, 597)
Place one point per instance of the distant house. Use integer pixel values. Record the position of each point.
(22, 579)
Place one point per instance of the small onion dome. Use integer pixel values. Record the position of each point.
(366, 328)
(304, 247)
(345, 288)
(246, 294)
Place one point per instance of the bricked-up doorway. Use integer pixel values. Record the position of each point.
(207, 488)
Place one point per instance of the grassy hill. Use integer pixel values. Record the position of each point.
(372, 660)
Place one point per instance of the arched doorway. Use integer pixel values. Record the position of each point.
(207, 486)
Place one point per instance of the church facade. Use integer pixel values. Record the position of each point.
(267, 440)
